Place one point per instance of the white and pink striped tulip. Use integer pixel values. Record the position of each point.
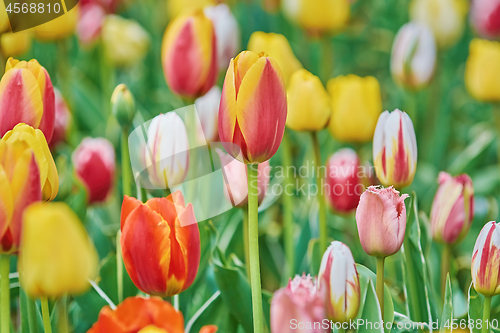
(486, 260)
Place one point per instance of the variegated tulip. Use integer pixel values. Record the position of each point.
(395, 149)
(486, 260)
(189, 55)
(62, 120)
(413, 59)
(381, 220)
(300, 301)
(308, 102)
(58, 28)
(26, 96)
(207, 107)
(253, 108)
(453, 208)
(483, 70)
(172, 248)
(167, 151)
(338, 279)
(485, 17)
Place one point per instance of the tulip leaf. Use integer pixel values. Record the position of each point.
(370, 318)
(476, 305)
(108, 279)
(447, 316)
(472, 152)
(403, 324)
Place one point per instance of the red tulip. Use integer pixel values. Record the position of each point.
(485, 17)
(62, 120)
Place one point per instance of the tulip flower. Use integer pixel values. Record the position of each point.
(176, 8)
(413, 58)
(26, 96)
(308, 102)
(453, 208)
(23, 135)
(395, 149)
(151, 315)
(14, 44)
(483, 70)
(94, 161)
(253, 108)
(227, 33)
(59, 28)
(123, 105)
(300, 301)
(356, 105)
(57, 256)
(485, 17)
(485, 263)
(189, 55)
(338, 279)
(165, 231)
(207, 107)
(167, 151)
(235, 180)
(446, 18)
(90, 22)
(62, 120)
(277, 47)
(318, 16)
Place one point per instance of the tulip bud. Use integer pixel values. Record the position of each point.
(453, 208)
(381, 219)
(58, 28)
(94, 161)
(395, 149)
(339, 281)
(26, 136)
(122, 105)
(189, 55)
(172, 249)
(413, 56)
(57, 256)
(308, 102)
(62, 120)
(252, 112)
(227, 33)
(483, 70)
(167, 153)
(485, 17)
(446, 18)
(300, 301)
(90, 23)
(235, 180)
(207, 107)
(356, 105)
(277, 47)
(14, 44)
(485, 263)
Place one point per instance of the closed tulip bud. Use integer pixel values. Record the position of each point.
(62, 120)
(318, 16)
(300, 301)
(26, 96)
(227, 33)
(59, 28)
(277, 47)
(339, 281)
(90, 22)
(94, 162)
(485, 17)
(57, 256)
(252, 112)
(167, 153)
(413, 58)
(207, 107)
(14, 44)
(483, 70)
(189, 55)
(123, 105)
(453, 208)
(356, 106)
(485, 263)
(125, 41)
(381, 219)
(446, 18)
(308, 102)
(180, 7)
(26, 136)
(172, 249)
(395, 149)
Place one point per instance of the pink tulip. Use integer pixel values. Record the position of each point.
(299, 302)
(486, 260)
(453, 208)
(207, 107)
(62, 120)
(90, 22)
(381, 219)
(485, 17)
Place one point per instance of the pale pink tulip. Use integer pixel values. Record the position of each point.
(485, 17)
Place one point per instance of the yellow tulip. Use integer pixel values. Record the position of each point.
(482, 71)
(356, 106)
(59, 28)
(57, 256)
(308, 102)
(178, 7)
(278, 48)
(14, 44)
(27, 136)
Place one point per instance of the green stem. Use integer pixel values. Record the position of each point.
(245, 243)
(380, 284)
(253, 248)
(486, 314)
(4, 293)
(341, 330)
(326, 59)
(288, 225)
(445, 267)
(119, 266)
(46, 315)
(323, 228)
(126, 168)
(63, 315)
(410, 276)
(175, 300)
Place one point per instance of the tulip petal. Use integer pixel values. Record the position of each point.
(6, 202)
(128, 206)
(209, 329)
(49, 106)
(227, 108)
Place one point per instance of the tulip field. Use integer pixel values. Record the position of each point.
(249, 166)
